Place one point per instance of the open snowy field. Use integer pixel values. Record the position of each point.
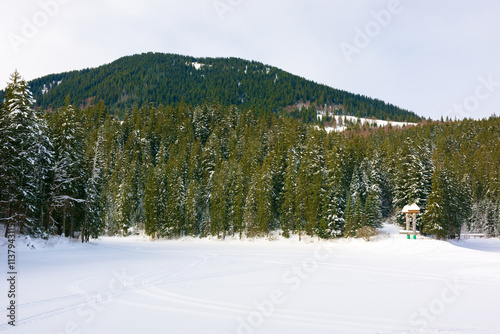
(131, 285)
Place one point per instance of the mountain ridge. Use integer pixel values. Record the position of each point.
(168, 79)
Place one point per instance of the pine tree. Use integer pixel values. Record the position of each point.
(191, 207)
(92, 225)
(435, 218)
(355, 215)
(43, 170)
(68, 168)
(412, 183)
(201, 124)
(289, 207)
(208, 162)
(219, 202)
(240, 191)
(349, 228)
(264, 198)
(175, 210)
(150, 203)
(372, 211)
(334, 195)
(449, 204)
(250, 223)
(156, 196)
(25, 155)
(309, 181)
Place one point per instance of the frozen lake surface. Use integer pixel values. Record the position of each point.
(133, 285)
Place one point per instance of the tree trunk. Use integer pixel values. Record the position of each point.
(64, 220)
(49, 218)
(83, 229)
(7, 224)
(72, 223)
(41, 214)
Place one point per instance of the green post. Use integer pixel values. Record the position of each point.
(407, 236)
(414, 236)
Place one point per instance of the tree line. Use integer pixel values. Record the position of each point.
(213, 170)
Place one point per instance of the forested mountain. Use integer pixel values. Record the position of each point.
(168, 79)
(223, 170)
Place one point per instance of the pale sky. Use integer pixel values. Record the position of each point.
(436, 58)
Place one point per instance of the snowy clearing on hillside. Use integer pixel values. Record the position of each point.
(343, 122)
(132, 285)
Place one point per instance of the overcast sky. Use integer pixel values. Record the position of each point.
(436, 58)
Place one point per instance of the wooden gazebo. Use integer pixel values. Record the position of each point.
(411, 210)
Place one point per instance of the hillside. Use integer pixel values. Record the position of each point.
(168, 79)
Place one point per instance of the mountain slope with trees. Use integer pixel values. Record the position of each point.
(168, 79)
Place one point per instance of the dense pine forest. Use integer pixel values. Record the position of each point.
(206, 169)
(168, 79)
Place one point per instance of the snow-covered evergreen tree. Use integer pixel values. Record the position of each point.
(250, 223)
(68, 172)
(264, 198)
(219, 201)
(413, 173)
(289, 207)
(372, 211)
(191, 207)
(92, 225)
(25, 155)
(448, 205)
(175, 209)
(155, 197)
(42, 173)
(333, 203)
(309, 181)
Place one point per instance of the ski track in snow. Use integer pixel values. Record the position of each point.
(154, 287)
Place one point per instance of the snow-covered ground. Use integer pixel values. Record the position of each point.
(133, 285)
(342, 126)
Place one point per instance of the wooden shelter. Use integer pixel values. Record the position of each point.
(411, 210)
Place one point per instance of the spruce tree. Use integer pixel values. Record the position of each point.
(68, 172)
(289, 207)
(333, 196)
(191, 208)
(372, 211)
(25, 153)
(218, 201)
(449, 204)
(412, 177)
(264, 198)
(92, 225)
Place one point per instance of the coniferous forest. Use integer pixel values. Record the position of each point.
(170, 79)
(209, 169)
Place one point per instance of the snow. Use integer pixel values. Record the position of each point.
(353, 120)
(46, 89)
(408, 208)
(134, 285)
(196, 65)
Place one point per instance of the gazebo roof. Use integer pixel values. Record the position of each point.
(411, 209)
